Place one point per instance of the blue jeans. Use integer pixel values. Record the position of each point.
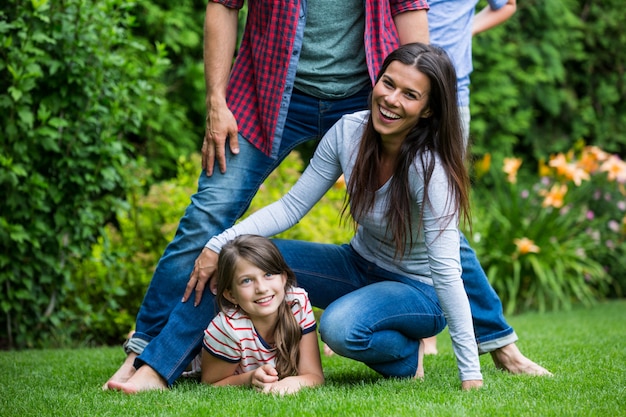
(169, 333)
(371, 315)
(376, 316)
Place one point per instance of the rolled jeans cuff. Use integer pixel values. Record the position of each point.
(135, 344)
(491, 345)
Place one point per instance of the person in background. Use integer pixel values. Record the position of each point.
(452, 25)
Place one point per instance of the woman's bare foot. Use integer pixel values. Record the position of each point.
(419, 374)
(125, 372)
(145, 379)
(430, 345)
(509, 358)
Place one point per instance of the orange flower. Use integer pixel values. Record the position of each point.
(525, 245)
(511, 166)
(554, 197)
(616, 169)
(569, 170)
(577, 174)
(559, 163)
(597, 153)
(544, 170)
(482, 165)
(589, 159)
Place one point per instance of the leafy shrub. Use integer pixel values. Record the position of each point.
(107, 287)
(74, 86)
(538, 238)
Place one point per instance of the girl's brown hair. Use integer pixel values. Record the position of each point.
(262, 253)
(440, 133)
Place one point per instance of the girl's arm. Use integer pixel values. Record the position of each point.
(218, 372)
(310, 372)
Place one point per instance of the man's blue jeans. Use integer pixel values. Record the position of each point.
(169, 333)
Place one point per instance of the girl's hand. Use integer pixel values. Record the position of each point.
(263, 378)
(203, 270)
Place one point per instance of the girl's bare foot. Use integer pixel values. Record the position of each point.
(419, 374)
(145, 379)
(125, 372)
(509, 358)
(430, 345)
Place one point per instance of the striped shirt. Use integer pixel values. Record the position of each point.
(263, 74)
(231, 336)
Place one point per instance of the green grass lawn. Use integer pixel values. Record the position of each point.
(584, 348)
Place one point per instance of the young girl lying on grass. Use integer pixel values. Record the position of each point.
(264, 335)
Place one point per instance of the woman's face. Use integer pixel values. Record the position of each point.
(399, 100)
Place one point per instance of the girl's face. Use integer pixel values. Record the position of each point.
(399, 99)
(257, 292)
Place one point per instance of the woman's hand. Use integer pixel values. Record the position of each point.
(471, 384)
(203, 270)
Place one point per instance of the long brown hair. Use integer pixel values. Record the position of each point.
(262, 253)
(440, 133)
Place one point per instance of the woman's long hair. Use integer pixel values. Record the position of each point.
(440, 133)
(262, 253)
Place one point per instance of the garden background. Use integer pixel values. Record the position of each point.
(102, 115)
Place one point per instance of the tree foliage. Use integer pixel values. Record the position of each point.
(75, 88)
(551, 75)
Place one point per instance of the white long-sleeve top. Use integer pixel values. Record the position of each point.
(434, 257)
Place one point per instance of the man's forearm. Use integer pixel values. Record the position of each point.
(220, 41)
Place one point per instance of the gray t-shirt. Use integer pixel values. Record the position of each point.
(332, 62)
(434, 257)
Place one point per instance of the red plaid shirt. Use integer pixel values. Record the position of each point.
(259, 75)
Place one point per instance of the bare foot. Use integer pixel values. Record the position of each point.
(328, 351)
(509, 358)
(419, 374)
(430, 345)
(145, 379)
(125, 371)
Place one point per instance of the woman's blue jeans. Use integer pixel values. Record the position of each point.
(169, 333)
(371, 315)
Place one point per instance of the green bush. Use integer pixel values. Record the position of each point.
(107, 287)
(541, 239)
(74, 87)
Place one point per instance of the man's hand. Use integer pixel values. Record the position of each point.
(220, 127)
(203, 270)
